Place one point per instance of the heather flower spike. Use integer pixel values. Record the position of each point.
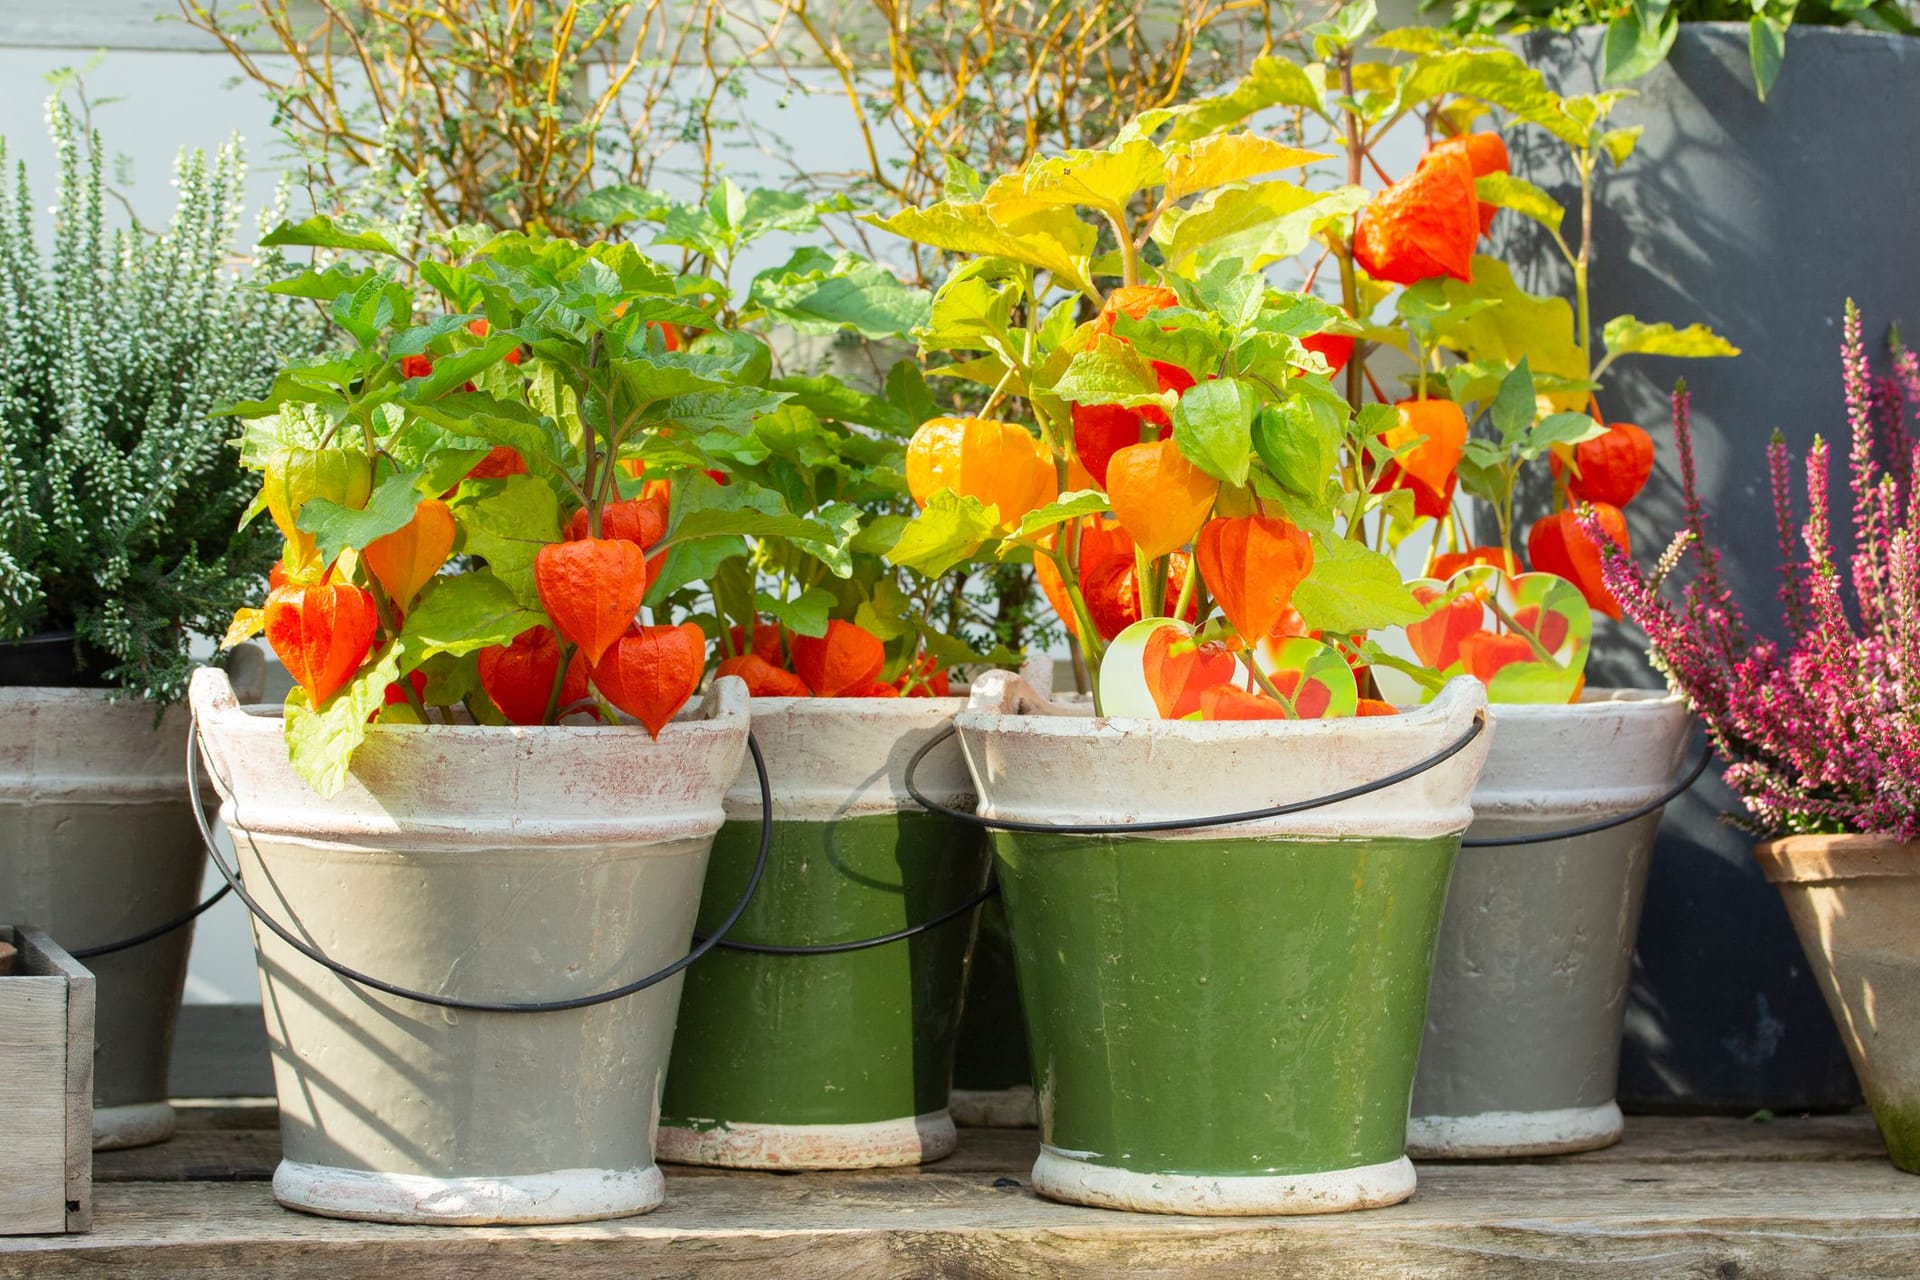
(1821, 734)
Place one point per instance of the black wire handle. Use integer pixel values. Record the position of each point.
(863, 944)
(159, 930)
(1604, 824)
(488, 1006)
(1393, 779)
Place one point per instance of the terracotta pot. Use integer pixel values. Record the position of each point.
(1855, 901)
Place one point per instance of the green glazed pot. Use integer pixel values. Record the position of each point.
(1223, 1020)
(831, 1061)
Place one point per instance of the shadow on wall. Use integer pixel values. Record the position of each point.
(1759, 220)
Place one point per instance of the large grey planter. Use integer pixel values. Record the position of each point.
(1761, 220)
(497, 864)
(1530, 984)
(97, 844)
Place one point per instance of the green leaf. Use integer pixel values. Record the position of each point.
(463, 613)
(335, 528)
(818, 292)
(1567, 429)
(1521, 196)
(1635, 46)
(879, 535)
(806, 615)
(1109, 372)
(506, 522)
(321, 741)
(692, 562)
(719, 522)
(1351, 589)
(828, 397)
(452, 372)
(321, 232)
(1299, 441)
(1514, 408)
(1213, 425)
(967, 311)
(951, 529)
(1071, 506)
(612, 206)
(1627, 336)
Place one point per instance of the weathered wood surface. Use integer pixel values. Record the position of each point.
(46, 1088)
(1692, 1197)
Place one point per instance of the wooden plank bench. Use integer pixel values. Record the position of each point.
(1682, 1196)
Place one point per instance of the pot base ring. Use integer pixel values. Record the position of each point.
(139, 1124)
(1494, 1134)
(880, 1144)
(1014, 1107)
(1059, 1176)
(566, 1195)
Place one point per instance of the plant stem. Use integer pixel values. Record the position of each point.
(559, 683)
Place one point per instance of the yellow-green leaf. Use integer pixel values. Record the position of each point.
(1626, 336)
(1270, 82)
(1052, 239)
(1105, 179)
(1521, 196)
(1619, 143)
(950, 530)
(1230, 157)
(1259, 223)
(1521, 325)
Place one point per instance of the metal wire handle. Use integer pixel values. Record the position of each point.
(159, 930)
(863, 944)
(486, 1006)
(1393, 779)
(1603, 824)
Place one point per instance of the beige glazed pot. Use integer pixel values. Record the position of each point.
(1855, 901)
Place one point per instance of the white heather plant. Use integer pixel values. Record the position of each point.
(120, 498)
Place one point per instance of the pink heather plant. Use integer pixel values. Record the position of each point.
(1825, 736)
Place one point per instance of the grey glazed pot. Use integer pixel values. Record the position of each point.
(1761, 220)
(1523, 1026)
(486, 863)
(97, 844)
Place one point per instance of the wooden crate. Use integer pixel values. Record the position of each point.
(46, 1089)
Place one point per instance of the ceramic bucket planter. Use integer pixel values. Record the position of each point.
(1223, 1020)
(1522, 1047)
(833, 1061)
(482, 863)
(97, 844)
(1855, 902)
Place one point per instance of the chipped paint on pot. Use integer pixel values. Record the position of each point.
(1855, 902)
(1148, 964)
(831, 1061)
(1522, 1047)
(97, 843)
(487, 863)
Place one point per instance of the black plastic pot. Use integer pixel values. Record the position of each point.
(1760, 219)
(49, 661)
